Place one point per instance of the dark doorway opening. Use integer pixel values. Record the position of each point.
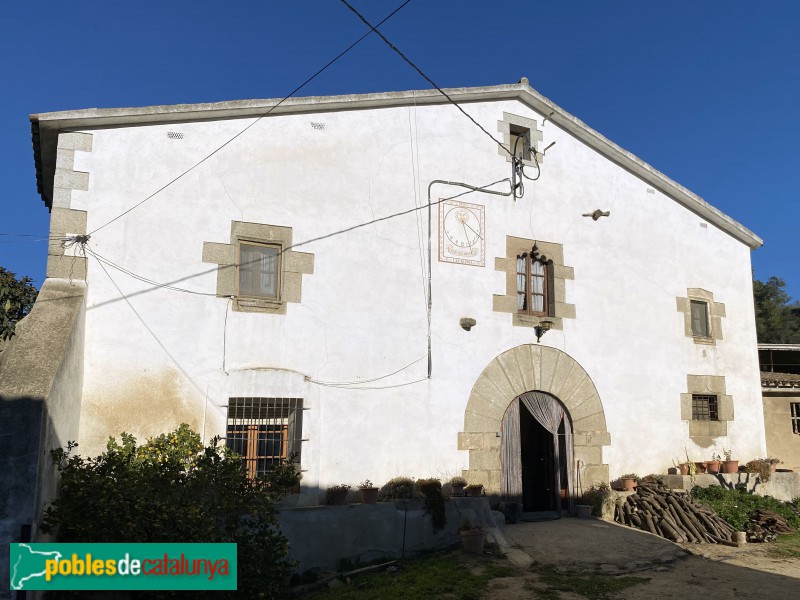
(538, 464)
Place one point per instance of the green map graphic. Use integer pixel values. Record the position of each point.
(27, 564)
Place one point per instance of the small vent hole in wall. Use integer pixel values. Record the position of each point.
(317, 126)
(175, 135)
(651, 191)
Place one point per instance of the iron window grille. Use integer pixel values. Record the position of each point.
(264, 431)
(795, 408)
(704, 408)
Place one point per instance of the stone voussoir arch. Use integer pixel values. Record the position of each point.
(527, 368)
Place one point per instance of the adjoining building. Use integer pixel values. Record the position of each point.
(780, 386)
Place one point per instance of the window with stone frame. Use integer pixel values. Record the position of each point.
(534, 283)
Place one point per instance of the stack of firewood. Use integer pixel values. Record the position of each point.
(673, 516)
(765, 526)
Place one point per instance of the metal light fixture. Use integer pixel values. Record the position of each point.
(541, 328)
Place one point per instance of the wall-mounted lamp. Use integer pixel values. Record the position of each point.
(467, 323)
(542, 328)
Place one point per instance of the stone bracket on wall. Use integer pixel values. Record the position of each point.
(532, 367)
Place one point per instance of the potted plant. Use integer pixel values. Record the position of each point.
(369, 493)
(472, 537)
(713, 465)
(336, 495)
(475, 490)
(773, 463)
(457, 485)
(700, 466)
(681, 467)
(728, 465)
(629, 481)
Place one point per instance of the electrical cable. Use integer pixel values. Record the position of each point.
(263, 115)
(348, 383)
(424, 76)
(384, 387)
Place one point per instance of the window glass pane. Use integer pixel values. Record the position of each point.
(538, 303)
(521, 283)
(258, 270)
(537, 268)
(699, 318)
(537, 284)
(521, 301)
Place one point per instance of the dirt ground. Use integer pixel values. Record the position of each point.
(589, 547)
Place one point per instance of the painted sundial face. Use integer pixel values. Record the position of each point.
(461, 233)
(462, 227)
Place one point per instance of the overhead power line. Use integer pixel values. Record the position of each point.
(263, 115)
(424, 76)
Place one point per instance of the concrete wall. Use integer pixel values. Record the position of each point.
(158, 357)
(782, 442)
(320, 537)
(41, 380)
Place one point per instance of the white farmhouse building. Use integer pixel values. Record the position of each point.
(278, 279)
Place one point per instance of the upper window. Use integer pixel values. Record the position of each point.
(795, 406)
(520, 141)
(700, 327)
(534, 283)
(704, 408)
(264, 431)
(259, 270)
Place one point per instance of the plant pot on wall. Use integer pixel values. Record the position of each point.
(712, 466)
(456, 490)
(472, 540)
(337, 497)
(700, 467)
(683, 468)
(369, 495)
(730, 466)
(628, 484)
(474, 491)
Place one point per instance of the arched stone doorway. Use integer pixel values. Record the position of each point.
(522, 369)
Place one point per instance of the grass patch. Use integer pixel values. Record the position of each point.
(738, 505)
(786, 546)
(440, 576)
(594, 587)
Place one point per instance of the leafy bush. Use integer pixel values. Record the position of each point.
(398, 488)
(738, 505)
(760, 467)
(173, 489)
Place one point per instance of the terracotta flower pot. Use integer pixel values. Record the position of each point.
(474, 490)
(472, 540)
(773, 467)
(683, 468)
(629, 484)
(730, 466)
(699, 467)
(457, 490)
(369, 495)
(712, 466)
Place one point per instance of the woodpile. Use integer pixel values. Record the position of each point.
(673, 516)
(765, 526)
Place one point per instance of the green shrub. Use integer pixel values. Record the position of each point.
(398, 488)
(737, 506)
(173, 489)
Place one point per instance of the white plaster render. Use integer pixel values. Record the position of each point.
(362, 314)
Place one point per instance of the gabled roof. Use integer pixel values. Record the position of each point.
(46, 126)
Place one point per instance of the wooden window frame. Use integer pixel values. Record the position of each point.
(278, 269)
(547, 284)
(707, 320)
(701, 413)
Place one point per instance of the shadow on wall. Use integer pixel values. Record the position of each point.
(21, 460)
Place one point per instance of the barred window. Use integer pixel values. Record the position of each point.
(704, 408)
(264, 431)
(795, 406)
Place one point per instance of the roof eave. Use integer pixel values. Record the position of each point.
(47, 126)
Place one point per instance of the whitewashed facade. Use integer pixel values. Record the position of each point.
(348, 333)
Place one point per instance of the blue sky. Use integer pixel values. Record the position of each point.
(706, 92)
